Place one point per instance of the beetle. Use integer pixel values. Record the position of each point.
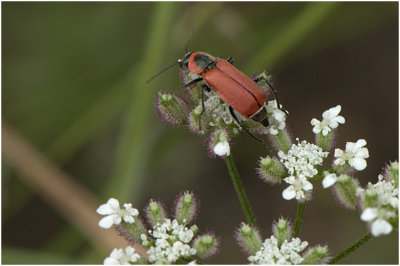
(236, 89)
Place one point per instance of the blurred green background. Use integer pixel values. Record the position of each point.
(73, 85)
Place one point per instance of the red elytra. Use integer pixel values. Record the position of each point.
(234, 87)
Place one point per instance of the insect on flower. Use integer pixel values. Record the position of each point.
(240, 92)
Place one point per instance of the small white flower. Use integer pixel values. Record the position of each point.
(329, 180)
(355, 154)
(287, 253)
(277, 118)
(114, 214)
(297, 188)
(222, 149)
(380, 227)
(369, 214)
(122, 257)
(331, 120)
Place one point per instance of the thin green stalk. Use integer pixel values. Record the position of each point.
(299, 219)
(352, 248)
(237, 183)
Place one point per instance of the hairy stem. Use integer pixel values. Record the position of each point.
(352, 248)
(299, 219)
(237, 183)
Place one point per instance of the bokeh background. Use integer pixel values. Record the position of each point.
(74, 96)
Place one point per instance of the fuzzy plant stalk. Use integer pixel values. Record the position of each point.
(237, 183)
(299, 219)
(351, 249)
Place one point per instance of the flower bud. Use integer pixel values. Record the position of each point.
(282, 230)
(186, 207)
(218, 143)
(281, 141)
(155, 213)
(132, 232)
(197, 122)
(206, 245)
(171, 108)
(271, 170)
(345, 190)
(391, 173)
(248, 238)
(317, 255)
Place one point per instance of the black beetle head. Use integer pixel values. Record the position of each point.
(184, 63)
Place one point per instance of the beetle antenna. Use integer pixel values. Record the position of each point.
(165, 69)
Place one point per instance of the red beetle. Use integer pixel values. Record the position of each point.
(235, 88)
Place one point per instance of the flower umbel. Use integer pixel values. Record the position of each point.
(114, 213)
(301, 159)
(171, 242)
(380, 206)
(271, 253)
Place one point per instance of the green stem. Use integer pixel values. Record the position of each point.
(237, 183)
(352, 248)
(299, 219)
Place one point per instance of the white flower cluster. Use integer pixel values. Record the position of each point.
(171, 242)
(331, 120)
(300, 161)
(114, 214)
(355, 154)
(385, 207)
(287, 253)
(122, 257)
(277, 118)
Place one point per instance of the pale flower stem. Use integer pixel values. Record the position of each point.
(352, 248)
(237, 183)
(299, 219)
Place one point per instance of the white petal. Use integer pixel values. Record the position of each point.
(338, 153)
(279, 116)
(129, 219)
(316, 130)
(325, 131)
(315, 122)
(289, 193)
(360, 143)
(381, 227)
(105, 209)
(106, 222)
(361, 152)
(340, 119)
(111, 261)
(358, 163)
(222, 149)
(329, 180)
(273, 130)
(307, 186)
(369, 214)
(114, 203)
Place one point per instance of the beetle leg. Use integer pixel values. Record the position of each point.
(192, 82)
(247, 131)
(230, 60)
(203, 109)
(273, 91)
